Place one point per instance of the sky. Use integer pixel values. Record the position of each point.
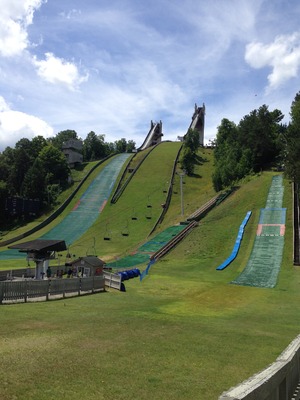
(114, 66)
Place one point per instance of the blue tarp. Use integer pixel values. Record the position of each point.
(236, 245)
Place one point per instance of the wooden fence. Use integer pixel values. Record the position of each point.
(17, 273)
(31, 289)
(112, 280)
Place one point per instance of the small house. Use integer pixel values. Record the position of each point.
(87, 266)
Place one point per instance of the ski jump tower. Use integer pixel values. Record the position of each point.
(154, 136)
(197, 123)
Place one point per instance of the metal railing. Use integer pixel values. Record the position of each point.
(173, 242)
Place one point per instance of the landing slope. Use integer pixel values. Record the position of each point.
(86, 211)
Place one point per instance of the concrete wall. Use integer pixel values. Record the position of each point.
(278, 381)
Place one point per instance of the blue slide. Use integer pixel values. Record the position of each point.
(237, 244)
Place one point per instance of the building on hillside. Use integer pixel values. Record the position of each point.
(72, 149)
(86, 266)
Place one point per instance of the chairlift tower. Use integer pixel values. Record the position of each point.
(41, 251)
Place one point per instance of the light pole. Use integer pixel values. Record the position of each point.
(181, 175)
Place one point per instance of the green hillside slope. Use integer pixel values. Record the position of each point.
(184, 332)
(122, 226)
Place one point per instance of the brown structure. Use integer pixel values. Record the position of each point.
(72, 149)
(87, 266)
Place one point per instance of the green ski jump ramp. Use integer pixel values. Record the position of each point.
(265, 259)
(86, 211)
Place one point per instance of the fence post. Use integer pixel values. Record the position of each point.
(48, 290)
(1, 292)
(25, 291)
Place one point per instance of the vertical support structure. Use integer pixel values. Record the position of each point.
(41, 268)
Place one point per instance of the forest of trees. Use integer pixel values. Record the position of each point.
(37, 169)
(259, 141)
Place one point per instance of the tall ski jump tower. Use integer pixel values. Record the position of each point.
(197, 123)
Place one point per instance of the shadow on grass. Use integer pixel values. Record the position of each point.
(199, 160)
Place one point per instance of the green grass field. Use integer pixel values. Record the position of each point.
(184, 332)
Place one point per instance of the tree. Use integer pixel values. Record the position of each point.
(130, 146)
(227, 137)
(189, 151)
(22, 163)
(249, 146)
(37, 144)
(121, 145)
(191, 140)
(3, 196)
(187, 161)
(292, 140)
(94, 147)
(34, 185)
(260, 132)
(61, 137)
(4, 168)
(54, 163)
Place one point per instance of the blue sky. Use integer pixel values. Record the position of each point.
(113, 66)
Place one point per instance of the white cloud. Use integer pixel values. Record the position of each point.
(15, 125)
(15, 17)
(57, 70)
(283, 56)
(71, 14)
(3, 105)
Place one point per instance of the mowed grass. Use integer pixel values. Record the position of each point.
(126, 224)
(184, 332)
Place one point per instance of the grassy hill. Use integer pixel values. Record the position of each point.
(184, 332)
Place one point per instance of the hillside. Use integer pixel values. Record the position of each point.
(184, 332)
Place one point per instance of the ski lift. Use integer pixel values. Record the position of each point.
(149, 214)
(125, 231)
(90, 253)
(107, 233)
(149, 203)
(134, 217)
(69, 255)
